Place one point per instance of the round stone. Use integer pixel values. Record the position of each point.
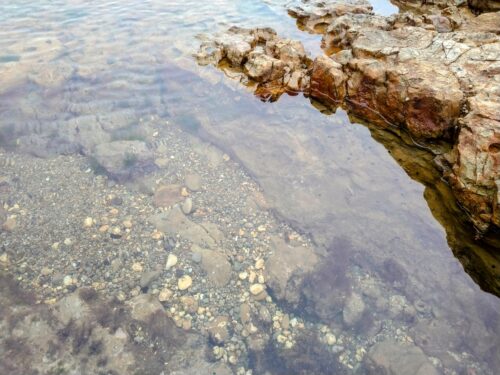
(88, 222)
(137, 267)
(256, 289)
(187, 206)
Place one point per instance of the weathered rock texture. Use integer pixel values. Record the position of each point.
(435, 74)
(276, 64)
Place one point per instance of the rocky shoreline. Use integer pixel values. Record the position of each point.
(433, 73)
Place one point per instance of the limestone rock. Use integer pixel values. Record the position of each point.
(328, 82)
(263, 68)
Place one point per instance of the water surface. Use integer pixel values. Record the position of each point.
(360, 192)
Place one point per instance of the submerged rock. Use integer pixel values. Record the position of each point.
(167, 195)
(393, 358)
(124, 159)
(215, 264)
(353, 310)
(286, 269)
(173, 222)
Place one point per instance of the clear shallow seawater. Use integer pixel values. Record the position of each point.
(356, 189)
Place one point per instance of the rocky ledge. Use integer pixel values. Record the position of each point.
(433, 70)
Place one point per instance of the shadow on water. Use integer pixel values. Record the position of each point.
(479, 255)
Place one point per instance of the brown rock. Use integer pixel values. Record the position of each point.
(328, 82)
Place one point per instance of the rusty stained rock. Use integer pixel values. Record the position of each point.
(434, 73)
(276, 64)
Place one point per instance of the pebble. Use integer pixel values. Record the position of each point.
(165, 295)
(243, 275)
(88, 222)
(156, 235)
(186, 324)
(68, 280)
(127, 224)
(171, 261)
(252, 276)
(193, 182)
(285, 322)
(46, 271)
(4, 258)
(137, 267)
(330, 339)
(259, 264)
(189, 304)
(245, 313)
(184, 282)
(187, 206)
(67, 241)
(256, 289)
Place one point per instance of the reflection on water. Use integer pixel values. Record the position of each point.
(384, 8)
(92, 72)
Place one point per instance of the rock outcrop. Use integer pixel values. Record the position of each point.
(434, 74)
(277, 65)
